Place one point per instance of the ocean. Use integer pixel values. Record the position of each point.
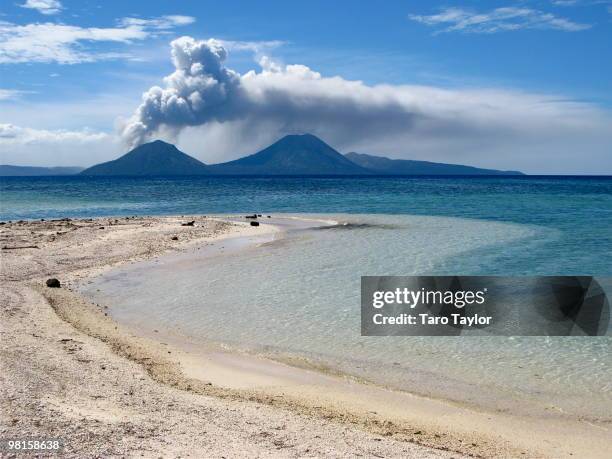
(574, 213)
(299, 296)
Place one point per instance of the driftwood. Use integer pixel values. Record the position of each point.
(21, 247)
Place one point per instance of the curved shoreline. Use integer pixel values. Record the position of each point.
(395, 415)
(63, 375)
(202, 314)
(303, 382)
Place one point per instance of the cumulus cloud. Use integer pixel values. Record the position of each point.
(17, 135)
(203, 99)
(66, 44)
(497, 20)
(47, 7)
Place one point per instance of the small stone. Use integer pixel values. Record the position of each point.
(254, 223)
(53, 283)
(174, 238)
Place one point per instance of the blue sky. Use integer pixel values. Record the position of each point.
(442, 81)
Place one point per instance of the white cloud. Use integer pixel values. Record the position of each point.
(12, 94)
(42, 147)
(160, 23)
(47, 7)
(11, 134)
(497, 20)
(253, 46)
(52, 133)
(65, 44)
(486, 127)
(564, 2)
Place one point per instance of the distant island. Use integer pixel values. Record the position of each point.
(154, 158)
(30, 171)
(303, 154)
(387, 166)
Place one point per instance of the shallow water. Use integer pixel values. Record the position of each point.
(300, 296)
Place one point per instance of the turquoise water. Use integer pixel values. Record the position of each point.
(300, 296)
(576, 211)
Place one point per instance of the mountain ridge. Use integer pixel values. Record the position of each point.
(292, 155)
(303, 154)
(388, 166)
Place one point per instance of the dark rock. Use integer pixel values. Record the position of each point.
(191, 223)
(259, 215)
(175, 238)
(254, 223)
(269, 216)
(53, 283)
(101, 227)
(251, 216)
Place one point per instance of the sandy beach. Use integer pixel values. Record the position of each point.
(69, 372)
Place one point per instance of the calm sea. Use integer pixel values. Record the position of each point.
(576, 211)
(300, 295)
